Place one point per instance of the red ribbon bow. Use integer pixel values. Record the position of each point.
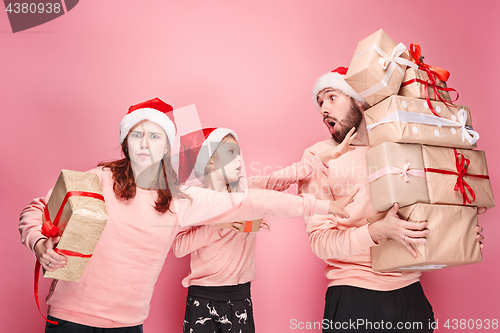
(416, 57)
(462, 164)
(51, 230)
(48, 229)
(432, 73)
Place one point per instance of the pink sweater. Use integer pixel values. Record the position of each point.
(116, 287)
(223, 257)
(344, 244)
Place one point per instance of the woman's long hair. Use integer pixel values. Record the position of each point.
(124, 184)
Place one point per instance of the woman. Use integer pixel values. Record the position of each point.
(222, 261)
(146, 208)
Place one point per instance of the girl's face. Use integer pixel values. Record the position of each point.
(226, 161)
(147, 143)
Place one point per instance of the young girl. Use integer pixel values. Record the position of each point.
(143, 218)
(222, 261)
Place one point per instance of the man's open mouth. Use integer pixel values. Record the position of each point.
(330, 124)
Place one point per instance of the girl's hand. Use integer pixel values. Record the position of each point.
(234, 226)
(48, 258)
(337, 207)
(391, 226)
(339, 150)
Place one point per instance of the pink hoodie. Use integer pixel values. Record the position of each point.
(116, 287)
(344, 244)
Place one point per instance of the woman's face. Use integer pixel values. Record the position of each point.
(147, 143)
(227, 161)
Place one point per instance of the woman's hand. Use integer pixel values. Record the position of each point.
(480, 237)
(337, 207)
(48, 258)
(391, 226)
(479, 229)
(339, 150)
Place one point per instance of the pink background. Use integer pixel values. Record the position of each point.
(249, 66)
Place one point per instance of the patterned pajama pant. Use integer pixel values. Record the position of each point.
(209, 316)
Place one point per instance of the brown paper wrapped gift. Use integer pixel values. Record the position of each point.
(396, 174)
(413, 85)
(409, 120)
(448, 171)
(377, 68)
(451, 240)
(81, 220)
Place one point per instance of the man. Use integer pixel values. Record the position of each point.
(358, 298)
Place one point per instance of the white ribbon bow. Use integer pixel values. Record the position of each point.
(388, 170)
(467, 134)
(395, 59)
(389, 64)
(404, 172)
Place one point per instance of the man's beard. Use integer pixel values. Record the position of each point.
(352, 119)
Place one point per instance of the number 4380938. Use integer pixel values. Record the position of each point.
(471, 324)
(32, 8)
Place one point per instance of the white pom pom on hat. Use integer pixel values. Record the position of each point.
(154, 110)
(335, 79)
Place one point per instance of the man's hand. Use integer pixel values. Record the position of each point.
(337, 207)
(391, 226)
(339, 150)
(48, 258)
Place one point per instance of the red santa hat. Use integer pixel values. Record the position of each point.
(335, 80)
(197, 148)
(154, 110)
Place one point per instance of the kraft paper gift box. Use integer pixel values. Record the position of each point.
(396, 174)
(457, 177)
(413, 85)
(451, 240)
(81, 220)
(409, 120)
(378, 67)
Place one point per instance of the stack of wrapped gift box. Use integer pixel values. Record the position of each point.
(422, 155)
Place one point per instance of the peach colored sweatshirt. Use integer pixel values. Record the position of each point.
(344, 244)
(116, 287)
(223, 257)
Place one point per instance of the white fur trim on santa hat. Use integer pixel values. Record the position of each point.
(136, 116)
(335, 81)
(208, 148)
